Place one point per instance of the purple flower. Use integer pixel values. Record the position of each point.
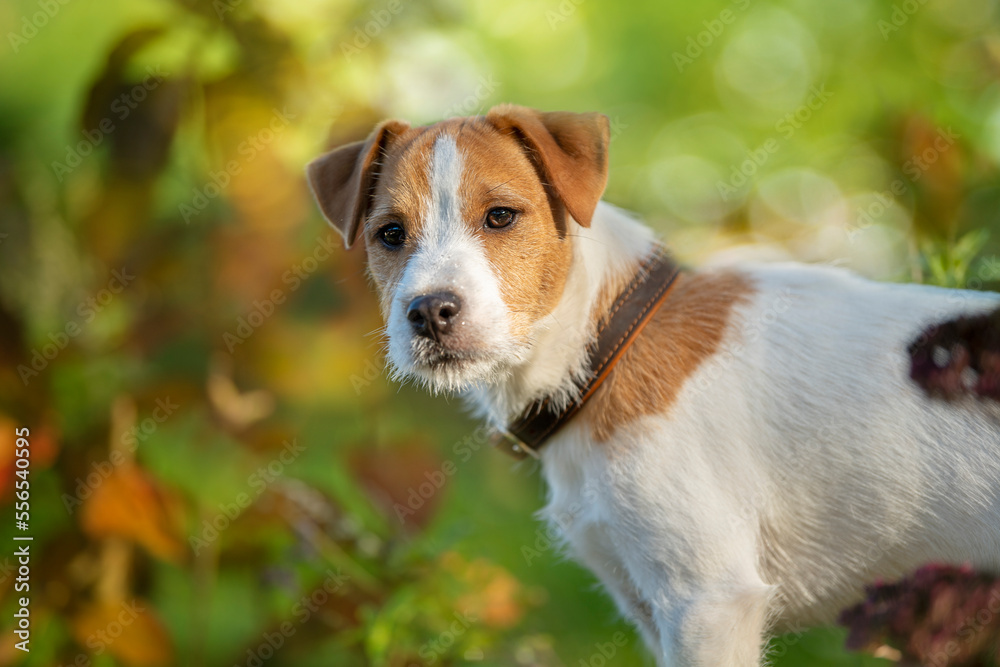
(940, 615)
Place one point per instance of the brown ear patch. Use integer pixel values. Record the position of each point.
(531, 257)
(683, 333)
(569, 149)
(343, 180)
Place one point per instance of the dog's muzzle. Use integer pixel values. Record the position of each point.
(434, 315)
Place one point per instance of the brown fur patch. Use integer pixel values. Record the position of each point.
(400, 196)
(530, 257)
(683, 333)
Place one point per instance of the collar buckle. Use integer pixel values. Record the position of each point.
(507, 442)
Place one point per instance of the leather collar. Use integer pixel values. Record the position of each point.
(628, 315)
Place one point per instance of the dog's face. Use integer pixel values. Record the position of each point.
(466, 225)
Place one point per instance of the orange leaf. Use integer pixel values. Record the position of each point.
(128, 630)
(131, 504)
(43, 447)
(494, 596)
(408, 485)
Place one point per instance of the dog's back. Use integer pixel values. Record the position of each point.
(803, 440)
(871, 477)
(757, 453)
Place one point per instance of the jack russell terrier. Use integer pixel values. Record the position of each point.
(733, 451)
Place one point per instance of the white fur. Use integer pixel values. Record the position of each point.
(449, 257)
(796, 465)
(559, 340)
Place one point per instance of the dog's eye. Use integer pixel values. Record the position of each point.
(392, 235)
(500, 217)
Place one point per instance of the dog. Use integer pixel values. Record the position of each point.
(754, 451)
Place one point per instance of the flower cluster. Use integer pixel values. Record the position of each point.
(940, 616)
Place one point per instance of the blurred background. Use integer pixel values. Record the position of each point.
(220, 472)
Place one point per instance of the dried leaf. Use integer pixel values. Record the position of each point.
(129, 630)
(241, 409)
(407, 485)
(495, 597)
(44, 446)
(130, 503)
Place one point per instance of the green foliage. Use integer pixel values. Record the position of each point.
(295, 507)
(949, 264)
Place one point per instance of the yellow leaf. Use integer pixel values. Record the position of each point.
(130, 503)
(128, 630)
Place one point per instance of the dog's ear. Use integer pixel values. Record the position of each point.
(570, 148)
(343, 180)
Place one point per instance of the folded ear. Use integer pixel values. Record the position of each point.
(343, 180)
(570, 148)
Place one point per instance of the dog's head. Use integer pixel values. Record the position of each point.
(466, 224)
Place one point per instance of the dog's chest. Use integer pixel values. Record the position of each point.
(587, 509)
(577, 481)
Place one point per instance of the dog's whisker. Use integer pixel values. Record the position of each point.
(738, 449)
(499, 186)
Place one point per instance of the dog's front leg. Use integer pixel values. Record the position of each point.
(717, 626)
(696, 569)
(593, 550)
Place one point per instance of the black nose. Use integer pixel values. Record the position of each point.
(433, 315)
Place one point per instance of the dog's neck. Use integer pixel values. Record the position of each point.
(605, 257)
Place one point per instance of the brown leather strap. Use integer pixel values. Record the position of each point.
(626, 318)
